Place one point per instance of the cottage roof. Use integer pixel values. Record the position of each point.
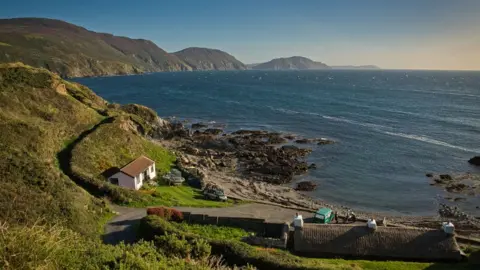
(137, 166)
(383, 243)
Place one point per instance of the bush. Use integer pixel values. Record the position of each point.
(174, 245)
(166, 213)
(201, 249)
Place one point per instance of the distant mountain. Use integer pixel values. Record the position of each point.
(291, 63)
(209, 59)
(74, 51)
(356, 67)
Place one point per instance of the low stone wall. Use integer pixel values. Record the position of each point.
(266, 242)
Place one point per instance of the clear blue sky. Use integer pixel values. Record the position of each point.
(430, 34)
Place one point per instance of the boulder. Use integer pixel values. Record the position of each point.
(323, 141)
(312, 166)
(199, 125)
(191, 150)
(447, 177)
(306, 186)
(429, 174)
(475, 161)
(276, 139)
(319, 141)
(213, 131)
(251, 132)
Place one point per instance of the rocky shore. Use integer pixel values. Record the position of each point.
(255, 165)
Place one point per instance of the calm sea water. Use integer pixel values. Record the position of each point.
(391, 126)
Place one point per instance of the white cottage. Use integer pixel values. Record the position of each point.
(135, 173)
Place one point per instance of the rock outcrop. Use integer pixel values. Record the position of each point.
(475, 161)
(306, 186)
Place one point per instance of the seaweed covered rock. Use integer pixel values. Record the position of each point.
(306, 186)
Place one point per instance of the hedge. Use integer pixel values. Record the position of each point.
(166, 213)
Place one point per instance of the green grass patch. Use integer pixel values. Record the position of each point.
(178, 196)
(5, 44)
(213, 231)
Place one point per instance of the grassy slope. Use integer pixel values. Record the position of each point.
(232, 247)
(36, 121)
(101, 150)
(45, 247)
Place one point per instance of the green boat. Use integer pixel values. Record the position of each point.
(324, 215)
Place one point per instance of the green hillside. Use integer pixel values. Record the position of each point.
(73, 51)
(39, 114)
(47, 220)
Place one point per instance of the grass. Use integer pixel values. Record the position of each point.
(5, 44)
(236, 252)
(178, 196)
(94, 157)
(35, 121)
(213, 231)
(101, 151)
(55, 247)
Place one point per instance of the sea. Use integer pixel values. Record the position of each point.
(391, 127)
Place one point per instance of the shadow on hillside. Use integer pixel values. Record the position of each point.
(64, 158)
(109, 172)
(122, 230)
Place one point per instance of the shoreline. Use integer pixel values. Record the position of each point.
(223, 168)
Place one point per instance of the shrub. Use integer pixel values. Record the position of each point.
(174, 245)
(200, 249)
(166, 213)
